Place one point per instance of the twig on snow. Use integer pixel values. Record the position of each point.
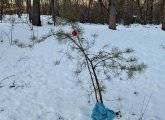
(7, 77)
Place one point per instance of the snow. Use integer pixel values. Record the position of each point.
(32, 87)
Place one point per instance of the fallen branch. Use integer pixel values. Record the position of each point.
(7, 77)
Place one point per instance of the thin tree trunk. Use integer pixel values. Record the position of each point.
(150, 14)
(36, 13)
(18, 7)
(89, 8)
(163, 22)
(112, 14)
(29, 9)
(97, 83)
(64, 7)
(126, 10)
(139, 11)
(57, 8)
(102, 13)
(142, 13)
(149, 11)
(53, 11)
(2, 6)
(131, 11)
(146, 12)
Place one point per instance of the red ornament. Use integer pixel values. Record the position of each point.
(74, 33)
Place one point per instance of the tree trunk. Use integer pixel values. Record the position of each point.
(112, 14)
(140, 11)
(29, 9)
(53, 11)
(36, 13)
(102, 13)
(88, 10)
(163, 22)
(18, 7)
(131, 11)
(57, 8)
(126, 10)
(2, 6)
(149, 11)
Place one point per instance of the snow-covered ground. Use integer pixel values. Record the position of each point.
(32, 87)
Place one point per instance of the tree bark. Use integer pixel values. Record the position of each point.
(36, 13)
(112, 14)
(163, 22)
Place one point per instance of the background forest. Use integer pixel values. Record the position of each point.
(92, 11)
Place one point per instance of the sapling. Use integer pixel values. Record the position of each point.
(99, 64)
(10, 34)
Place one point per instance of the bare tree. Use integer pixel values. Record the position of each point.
(112, 14)
(163, 24)
(36, 13)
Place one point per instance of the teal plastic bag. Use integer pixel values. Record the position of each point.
(100, 112)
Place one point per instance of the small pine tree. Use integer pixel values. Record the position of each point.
(98, 64)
